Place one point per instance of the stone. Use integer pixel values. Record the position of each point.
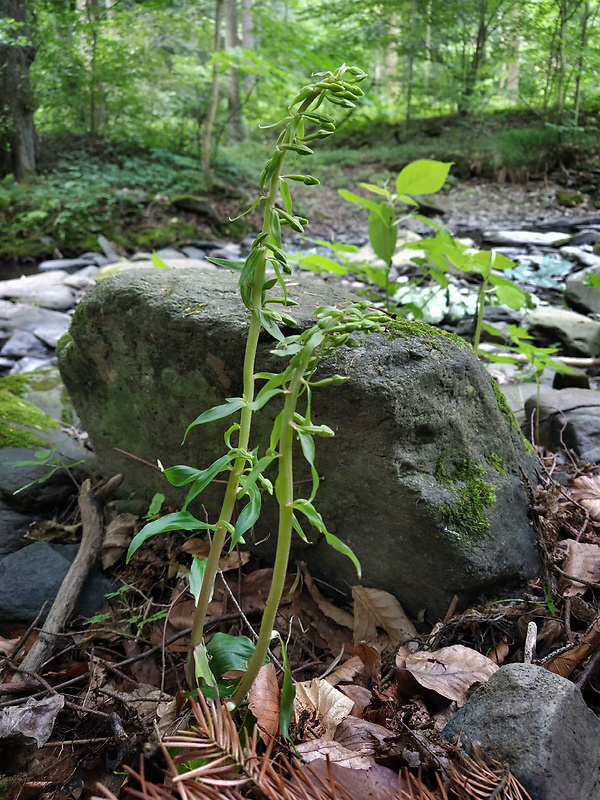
(585, 236)
(538, 724)
(46, 289)
(108, 250)
(193, 252)
(581, 256)
(13, 526)
(196, 205)
(420, 434)
(32, 364)
(581, 297)
(23, 343)
(47, 325)
(95, 259)
(141, 256)
(515, 238)
(567, 418)
(65, 264)
(228, 250)
(33, 575)
(577, 379)
(169, 252)
(576, 334)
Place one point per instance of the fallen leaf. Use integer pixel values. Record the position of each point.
(360, 735)
(201, 548)
(32, 720)
(326, 704)
(581, 561)
(586, 490)
(373, 609)
(325, 606)
(359, 695)
(449, 671)
(499, 653)
(264, 702)
(7, 646)
(359, 784)
(337, 753)
(566, 662)
(371, 659)
(346, 671)
(117, 538)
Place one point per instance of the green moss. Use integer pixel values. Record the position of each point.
(497, 463)
(403, 328)
(16, 413)
(504, 407)
(472, 495)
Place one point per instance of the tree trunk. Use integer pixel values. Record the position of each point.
(476, 62)
(410, 63)
(214, 100)
(235, 129)
(17, 131)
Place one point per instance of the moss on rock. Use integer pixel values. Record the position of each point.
(472, 496)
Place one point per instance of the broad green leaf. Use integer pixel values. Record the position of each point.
(383, 233)
(592, 280)
(502, 262)
(422, 177)
(229, 653)
(508, 294)
(180, 475)
(319, 263)
(201, 665)
(177, 521)
(158, 262)
(155, 505)
(197, 572)
(229, 407)
(269, 324)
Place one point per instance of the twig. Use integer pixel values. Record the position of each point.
(589, 670)
(583, 581)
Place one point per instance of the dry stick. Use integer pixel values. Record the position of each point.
(91, 507)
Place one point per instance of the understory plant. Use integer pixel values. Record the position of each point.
(292, 387)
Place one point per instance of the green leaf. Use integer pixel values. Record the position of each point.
(334, 380)
(316, 520)
(228, 653)
(285, 193)
(158, 262)
(177, 521)
(201, 666)
(355, 198)
(375, 189)
(227, 262)
(308, 450)
(297, 527)
(252, 207)
(248, 516)
(180, 475)
(383, 233)
(318, 263)
(269, 324)
(507, 293)
(275, 227)
(155, 506)
(592, 280)
(206, 476)
(197, 572)
(422, 177)
(229, 407)
(288, 694)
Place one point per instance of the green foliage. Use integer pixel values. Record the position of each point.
(333, 327)
(472, 495)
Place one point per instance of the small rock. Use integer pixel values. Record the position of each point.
(65, 264)
(46, 290)
(108, 250)
(537, 723)
(229, 250)
(585, 236)
(21, 597)
(577, 379)
(13, 526)
(196, 205)
(47, 325)
(578, 335)
(193, 252)
(567, 418)
(23, 343)
(32, 364)
(580, 296)
(95, 259)
(581, 256)
(141, 256)
(550, 239)
(169, 252)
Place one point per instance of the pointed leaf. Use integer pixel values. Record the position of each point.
(422, 177)
(178, 521)
(229, 407)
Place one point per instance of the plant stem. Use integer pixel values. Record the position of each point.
(481, 306)
(284, 535)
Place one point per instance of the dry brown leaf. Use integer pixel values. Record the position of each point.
(449, 671)
(264, 702)
(499, 653)
(581, 561)
(117, 538)
(360, 735)
(565, 662)
(323, 702)
(201, 548)
(371, 658)
(7, 646)
(338, 754)
(586, 490)
(346, 671)
(359, 695)
(362, 784)
(325, 606)
(373, 609)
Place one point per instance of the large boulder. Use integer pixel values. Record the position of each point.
(422, 479)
